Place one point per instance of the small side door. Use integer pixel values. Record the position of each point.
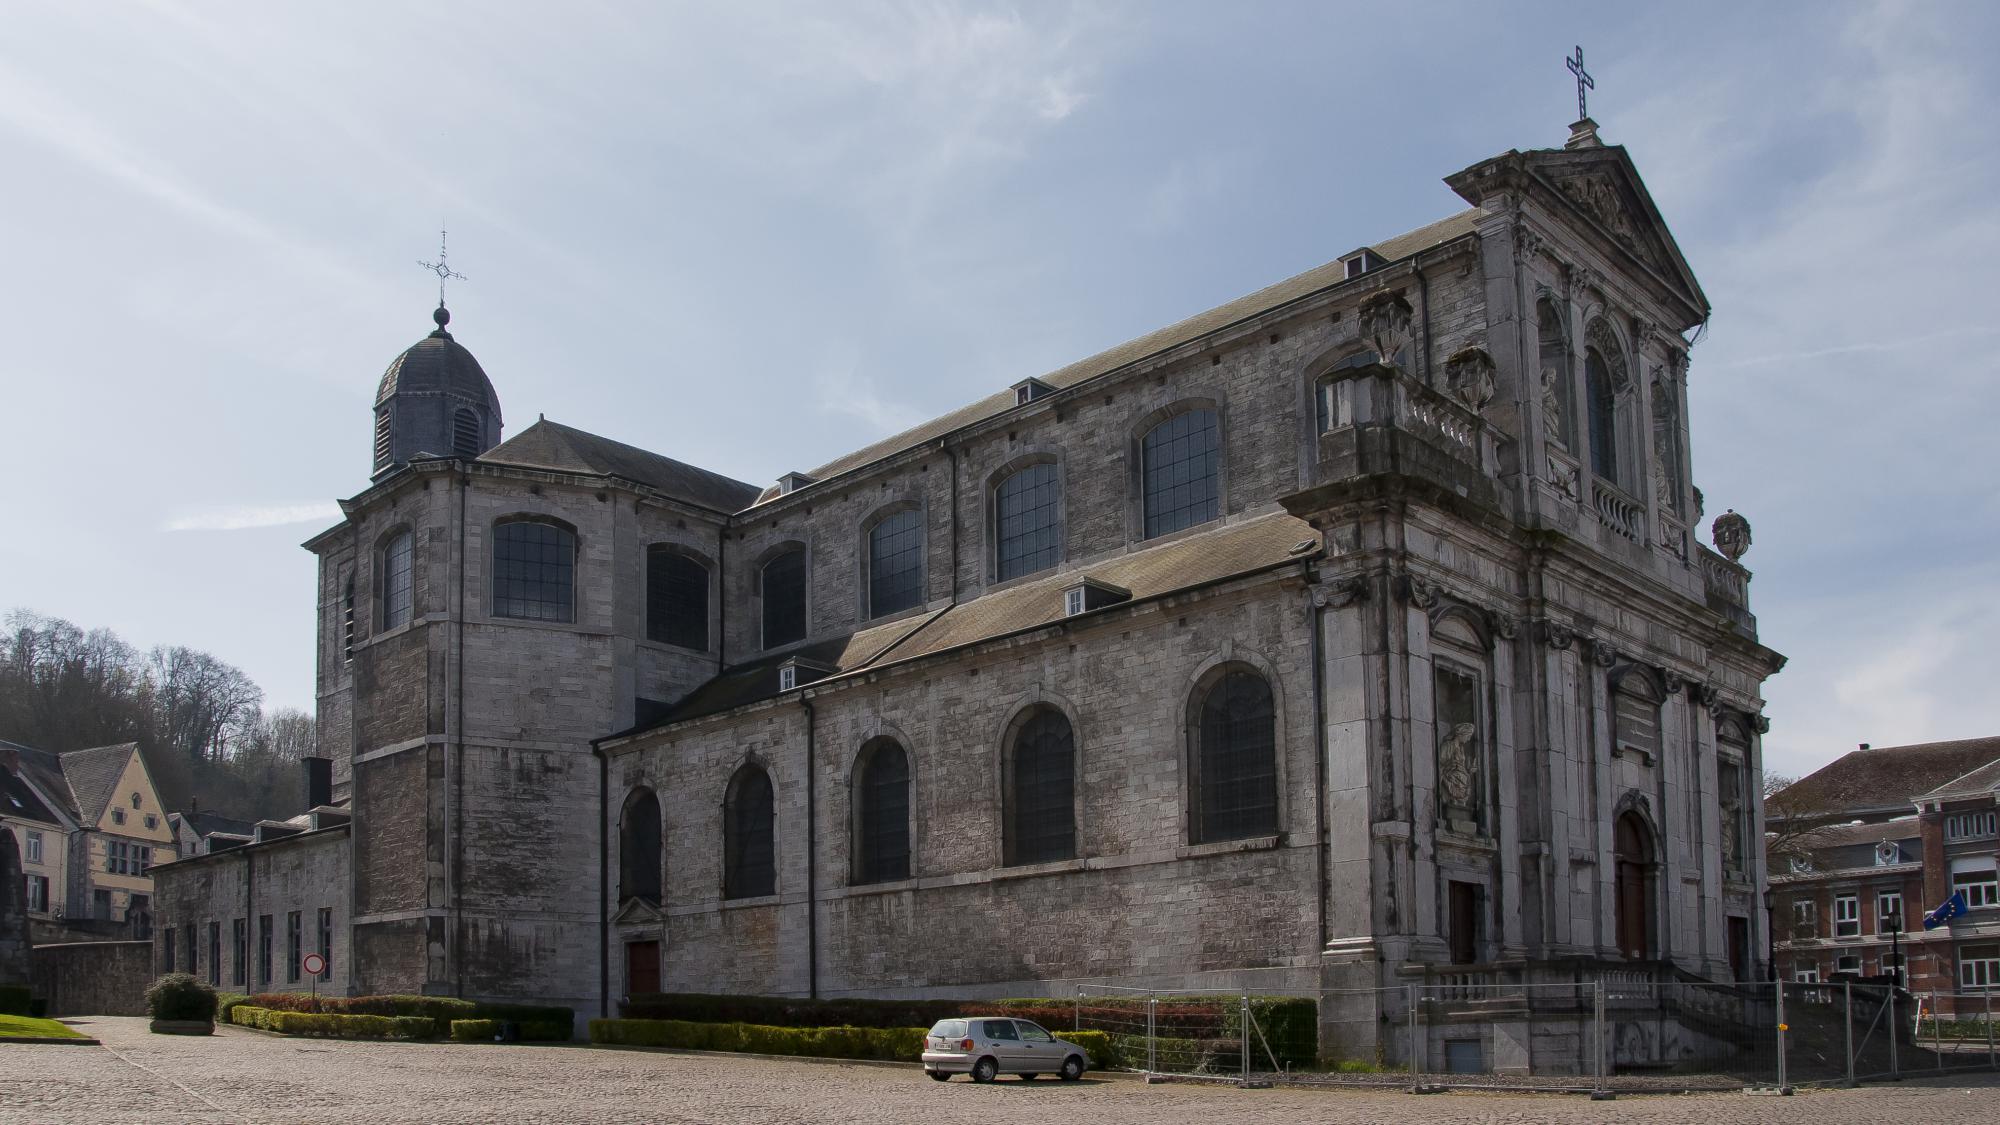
(1040, 1054)
(1004, 1042)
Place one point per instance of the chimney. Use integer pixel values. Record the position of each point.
(319, 782)
(1864, 746)
(194, 804)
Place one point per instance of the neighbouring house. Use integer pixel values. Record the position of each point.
(90, 827)
(1864, 847)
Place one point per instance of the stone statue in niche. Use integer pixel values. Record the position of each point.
(1552, 409)
(1460, 757)
(1455, 769)
(1731, 534)
(1666, 446)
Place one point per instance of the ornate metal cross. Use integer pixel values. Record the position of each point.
(440, 268)
(1583, 82)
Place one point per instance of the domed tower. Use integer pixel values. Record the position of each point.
(434, 399)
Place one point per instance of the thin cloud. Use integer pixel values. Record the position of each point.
(244, 517)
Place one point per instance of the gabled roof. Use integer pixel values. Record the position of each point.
(19, 801)
(1887, 777)
(1243, 308)
(93, 777)
(1985, 779)
(43, 771)
(550, 445)
(203, 823)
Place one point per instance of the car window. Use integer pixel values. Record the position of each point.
(949, 1029)
(1033, 1033)
(1001, 1029)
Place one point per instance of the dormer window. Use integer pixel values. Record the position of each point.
(1887, 853)
(1090, 594)
(792, 482)
(797, 673)
(788, 677)
(1361, 261)
(1028, 390)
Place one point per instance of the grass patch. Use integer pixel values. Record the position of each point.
(28, 1027)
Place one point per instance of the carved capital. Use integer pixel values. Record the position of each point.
(1416, 591)
(1760, 723)
(1504, 625)
(1556, 635)
(1583, 279)
(1603, 653)
(1642, 331)
(1710, 697)
(1341, 593)
(1671, 682)
(1530, 243)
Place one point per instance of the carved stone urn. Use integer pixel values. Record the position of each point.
(1731, 533)
(1469, 375)
(1384, 320)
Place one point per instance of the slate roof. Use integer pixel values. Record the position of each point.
(44, 771)
(1982, 780)
(1229, 551)
(17, 800)
(203, 823)
(438, 364)
(1243, 308)
(93, 777)
(551, 445)
(1886, 777)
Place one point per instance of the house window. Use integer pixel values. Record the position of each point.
(264, 949)
(1181, 458)
(193, 945)
(396, 585)
(38, 894)
(167, 950)
(783, 583)
(1976, 883)
(326, 942)
(1847, 963)
(34, 847)
(152, 821)
(1635, 714)
(139, 914)
(215, 953)
(1027, 530)
(114, 852)
(465, 433)
(1041, 790)
(1888, 911)
(1979, 966)
(639, 848)
(896, 563)
(882, 807)
(749, 867)
(117, 816)
(294, 945)
(100, 905)
(143, 858)
(1846, 916)
(1805, 917)
(239, 948)
(1807, 976)
(534, 571)
(1603, 404)
(1970, 825)
(676, 598)
(1236, 773)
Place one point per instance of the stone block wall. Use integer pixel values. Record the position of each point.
(92, 978)
(302, 874)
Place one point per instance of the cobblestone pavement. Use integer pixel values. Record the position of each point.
(239, 1075)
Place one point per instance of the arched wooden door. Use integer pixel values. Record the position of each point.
(1635, 901)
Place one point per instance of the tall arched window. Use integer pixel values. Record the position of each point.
(1181, 458)
(882, 813)
(1041, 790)
(676, 598)
(783, 586)
(465, 433)
(397, 595)
(1236, 760)
(1603, 415)
(534, 570)
(749, 835)
(896, 563)
(1555, 372)
(1027, 528)
(639, 848)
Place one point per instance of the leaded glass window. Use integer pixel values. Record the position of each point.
(1027, 530)
(396, 584)
(749, 846)
(1041, 808)
(896, 563)
(639, 848)
(1181, 456)
(465, 433)
(882, 802)
(1603, 416)
(676, 599)
(1236, 761)
(784, 590)
(534, 571)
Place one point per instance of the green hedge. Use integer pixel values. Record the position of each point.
(1103, 1052)
(225, 1003)
(442, 1011)
(179, 996)
(900, 1044)
(331, 1025)
(15, 1001)
(531, 1031)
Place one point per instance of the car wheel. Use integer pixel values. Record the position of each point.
(985, 1070)
(938, 1075)
(1072, 1069)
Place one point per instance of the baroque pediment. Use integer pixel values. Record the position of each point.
(637, 912)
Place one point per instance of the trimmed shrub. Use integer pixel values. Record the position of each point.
(331, 1025)
(1103, 1055)
(902, 1044)
(225, 1003)
(475, 1031)
(178, 996)
(531, 1031)
(442, 1011)
(548, 1031)
(15, 1001)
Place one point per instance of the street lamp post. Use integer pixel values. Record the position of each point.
(1770, 934)
(1895, 924)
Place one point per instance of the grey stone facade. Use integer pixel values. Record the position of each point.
(219, 907)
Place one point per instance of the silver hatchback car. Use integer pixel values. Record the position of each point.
(988, 1046)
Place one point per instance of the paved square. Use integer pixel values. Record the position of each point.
(243, 1076)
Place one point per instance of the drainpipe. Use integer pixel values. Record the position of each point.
(603, 881)
(721, 595)
(812, 858)
(952, 456)
(1424, 307)
(455, 745)
(1318, 618)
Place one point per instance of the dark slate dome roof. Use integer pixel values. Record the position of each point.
(438, 364)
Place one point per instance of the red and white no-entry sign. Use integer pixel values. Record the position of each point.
(314, 964)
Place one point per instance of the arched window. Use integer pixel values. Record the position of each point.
(1026, 521)
(396, 585)
(749, 836)
(1603, 415)
(783, 584)
(1555, 372)
(1181, 457)
(534, 571)
(676, 598)
(896, 563)
(1041, 790)
(639, 848)
(465, 433)
(1236, 760)
(882, 813)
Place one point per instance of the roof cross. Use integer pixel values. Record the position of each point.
(439, 268)
(1583, 82)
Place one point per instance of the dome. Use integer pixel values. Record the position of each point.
(434, 401)
(438, 364)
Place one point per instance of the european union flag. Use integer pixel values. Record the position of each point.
(1952, 908)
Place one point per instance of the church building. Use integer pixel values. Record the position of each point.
(1349, 633)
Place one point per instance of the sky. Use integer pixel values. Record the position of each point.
(756, 236)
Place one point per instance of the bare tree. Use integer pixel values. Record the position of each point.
(62, 688)
(201, 702)
(1794, 823)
